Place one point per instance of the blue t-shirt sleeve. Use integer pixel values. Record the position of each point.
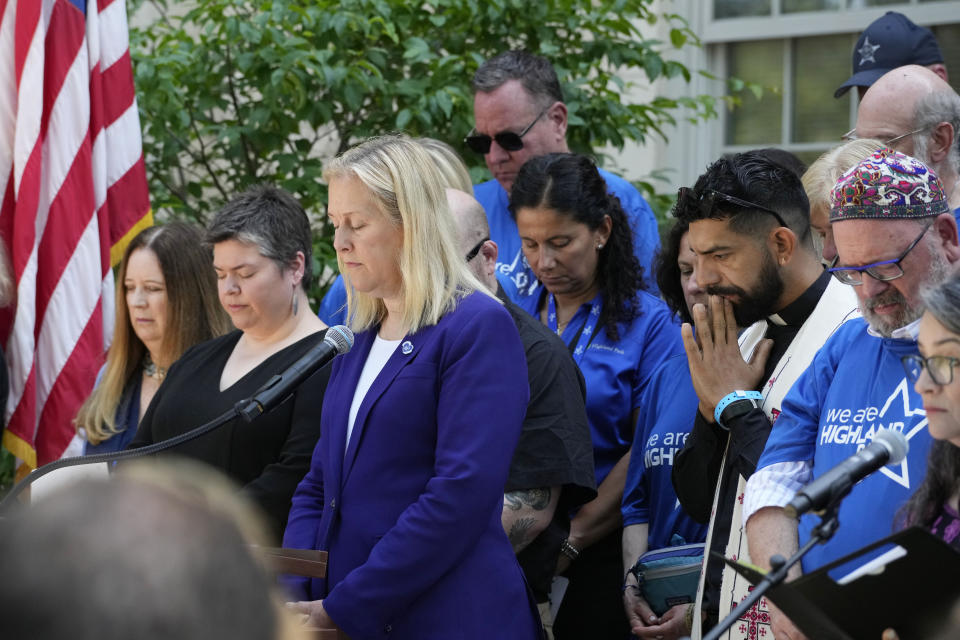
(333, 307)
(662, 341)
(794, 434)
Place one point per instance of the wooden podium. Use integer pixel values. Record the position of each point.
(301, 562)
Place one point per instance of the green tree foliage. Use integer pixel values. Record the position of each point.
(235, 92)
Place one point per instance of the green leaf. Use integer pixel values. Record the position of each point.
(417, 49)
(677, 38)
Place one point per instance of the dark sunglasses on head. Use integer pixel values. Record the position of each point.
(508, 140)
(707, 202)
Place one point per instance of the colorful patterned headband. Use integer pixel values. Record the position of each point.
(888, 185)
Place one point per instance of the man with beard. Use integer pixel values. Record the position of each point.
(750, 230)
(895, 235)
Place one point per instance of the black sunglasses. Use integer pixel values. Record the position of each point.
(508, 140)
(707, 202)
(473, 252)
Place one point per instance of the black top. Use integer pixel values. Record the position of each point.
(267, 457)
(555, 446)
(697, 466)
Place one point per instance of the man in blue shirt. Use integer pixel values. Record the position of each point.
(895, 235)
(519, 114)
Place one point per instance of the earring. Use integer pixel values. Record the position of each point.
(296, 302)
(599, 246)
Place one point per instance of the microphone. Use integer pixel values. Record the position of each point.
(888, 447)
(339, 339)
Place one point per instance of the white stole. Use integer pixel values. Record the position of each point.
(837, 305)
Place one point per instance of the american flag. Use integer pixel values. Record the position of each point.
(74, 191)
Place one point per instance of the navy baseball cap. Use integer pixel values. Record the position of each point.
(890, 41)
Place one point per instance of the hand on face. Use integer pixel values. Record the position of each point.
(716, 366)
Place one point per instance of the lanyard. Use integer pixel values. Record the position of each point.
(587, 329)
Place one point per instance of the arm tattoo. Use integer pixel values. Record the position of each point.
(536, 499)
(520, 533)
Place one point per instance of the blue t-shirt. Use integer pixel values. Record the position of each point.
(854, 386)
(514, 272)
(667, 412)
(616, 373)
(333, 307)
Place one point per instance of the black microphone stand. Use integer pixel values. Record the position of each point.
(779, 569)
(242, 409)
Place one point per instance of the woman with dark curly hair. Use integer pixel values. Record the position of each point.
(577, 240)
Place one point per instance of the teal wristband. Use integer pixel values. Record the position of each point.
(730, 398)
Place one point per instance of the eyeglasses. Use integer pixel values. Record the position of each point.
(884, 271)
(939, 368)
(707, 202)
(508, 140)
(473, 252)
(852, 135)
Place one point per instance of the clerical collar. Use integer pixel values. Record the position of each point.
(797, 312)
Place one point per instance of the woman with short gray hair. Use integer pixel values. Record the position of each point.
(262, 258)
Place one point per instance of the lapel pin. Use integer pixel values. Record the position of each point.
(406, 348)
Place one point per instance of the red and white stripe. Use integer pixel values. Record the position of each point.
(76, 188)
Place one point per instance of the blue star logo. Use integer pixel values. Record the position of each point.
(902, 475)
(867, 50)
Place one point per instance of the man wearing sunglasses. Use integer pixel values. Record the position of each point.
(895, 235)
(914, 111)
(750, 232)
(519, 114)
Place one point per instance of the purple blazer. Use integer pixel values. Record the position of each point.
(410, 511)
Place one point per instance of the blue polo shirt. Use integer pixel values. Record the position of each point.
(667, 412)
(514, 272)
(617, 372)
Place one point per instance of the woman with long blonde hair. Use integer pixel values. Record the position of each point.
(166, 302)
(405, 488)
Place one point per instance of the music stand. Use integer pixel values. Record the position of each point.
(910, 589)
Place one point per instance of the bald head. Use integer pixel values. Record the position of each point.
(888, 109)
(472, 230)
(919, 113)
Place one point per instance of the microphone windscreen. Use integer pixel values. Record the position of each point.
(340, 338)
(895, 442)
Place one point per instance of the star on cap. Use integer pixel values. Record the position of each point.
(867, 50)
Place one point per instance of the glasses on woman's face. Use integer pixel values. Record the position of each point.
(939, 368)
(707, 201)
(508, 140)
(884, 271)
